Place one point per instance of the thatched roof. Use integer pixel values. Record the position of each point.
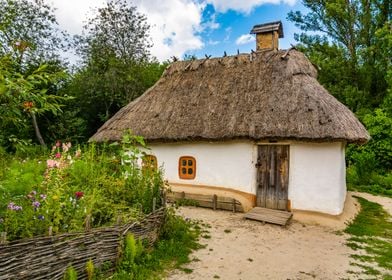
(256, 96)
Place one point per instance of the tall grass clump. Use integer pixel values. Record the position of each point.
(177, 240)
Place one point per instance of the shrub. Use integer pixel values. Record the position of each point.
(370, 165)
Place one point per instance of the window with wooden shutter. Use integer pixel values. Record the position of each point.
(187, 167)
(149, 162)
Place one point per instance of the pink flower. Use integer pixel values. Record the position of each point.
(58, 143)
(50, 163)
(66, 146)
(58, 155)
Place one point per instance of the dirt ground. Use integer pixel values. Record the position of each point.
(308, 248)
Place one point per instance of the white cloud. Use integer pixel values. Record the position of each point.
(244, 6)
(245, 39)
(174, 23)
(212, 42)
(72, 14)
(228, 34)
(174, 26)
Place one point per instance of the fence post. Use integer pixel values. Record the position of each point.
(50, 231)
(88, 223)
(164, 199)
(214, 201)
(118, 221)
(154, 204)
(3, 237)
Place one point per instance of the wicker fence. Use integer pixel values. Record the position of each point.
(48, 257)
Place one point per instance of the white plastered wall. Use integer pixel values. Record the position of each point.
(317, 177)
(224, 164)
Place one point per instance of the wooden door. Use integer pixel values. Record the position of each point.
(273, 176)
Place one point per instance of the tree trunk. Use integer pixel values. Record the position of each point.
(37, 131)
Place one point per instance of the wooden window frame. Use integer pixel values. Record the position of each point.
(193, 167)
(149, 162)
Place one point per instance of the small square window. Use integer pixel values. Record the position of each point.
(187, 167)
(149, 162)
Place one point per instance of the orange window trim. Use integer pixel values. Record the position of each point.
(190, 167)
(149, 162)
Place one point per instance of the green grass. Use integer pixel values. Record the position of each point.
(371, 231)
(177, 241)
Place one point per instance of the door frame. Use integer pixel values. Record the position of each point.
(264, 192)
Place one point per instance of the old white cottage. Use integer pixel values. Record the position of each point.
(255, 127)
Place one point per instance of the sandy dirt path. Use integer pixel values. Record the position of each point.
(252, 250)
(245, 249)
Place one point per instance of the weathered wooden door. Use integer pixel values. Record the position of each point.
(273, 176)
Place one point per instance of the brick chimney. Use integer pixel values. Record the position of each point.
(267, 35)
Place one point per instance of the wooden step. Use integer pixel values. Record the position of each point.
(272, 216)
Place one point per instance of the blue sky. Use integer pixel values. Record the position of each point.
(194, 27)
(234, 24)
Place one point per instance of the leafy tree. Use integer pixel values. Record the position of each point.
(22, 98)
(29, 32)
(31, 72)
(344, 39)
(116, 66)
(117, 30)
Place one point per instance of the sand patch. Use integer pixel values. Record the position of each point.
(309, 248)
(244, 249)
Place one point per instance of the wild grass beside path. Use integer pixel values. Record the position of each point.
(371, 237)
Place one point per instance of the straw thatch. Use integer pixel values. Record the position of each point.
(269, 95)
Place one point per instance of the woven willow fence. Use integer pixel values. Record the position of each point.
(48, 257)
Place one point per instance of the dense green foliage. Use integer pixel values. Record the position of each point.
(29, 32)
(371, 231)
(23, 97)
(351, 44)
(41, 100)
(72, 190)
(370, 165)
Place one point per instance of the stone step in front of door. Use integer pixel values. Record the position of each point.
(271, 216)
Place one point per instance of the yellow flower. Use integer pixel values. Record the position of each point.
(55, 197)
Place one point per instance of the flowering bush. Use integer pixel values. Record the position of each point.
(82, 187)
